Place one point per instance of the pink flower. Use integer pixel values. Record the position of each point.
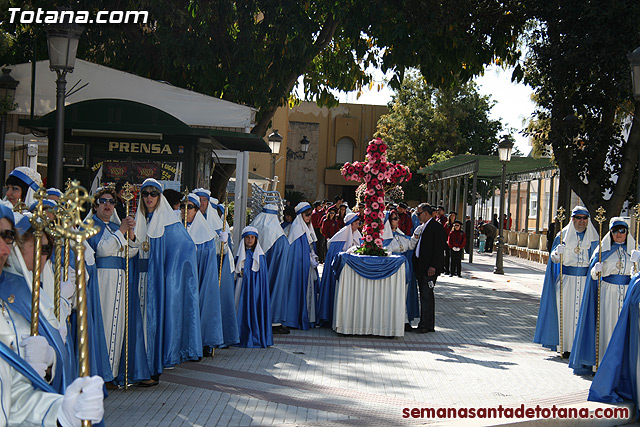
(387, 175)
(380, 176)
(367, 210)
(374, 225)
(366, 168)
(375, 205)
(371, 192)
(368, 238)
(381, 215)
(380, 199)
(378, 242)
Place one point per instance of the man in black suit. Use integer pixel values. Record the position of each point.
(428, 260)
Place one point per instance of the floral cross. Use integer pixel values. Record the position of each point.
(376, 172)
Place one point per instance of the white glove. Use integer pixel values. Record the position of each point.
(597, 268)
(635, 256)
(455, 249)
(38, 353)
(83, 400)
(314, 261)
(224, 236)
(555, 254)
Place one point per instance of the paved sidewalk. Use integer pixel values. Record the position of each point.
(481, 355)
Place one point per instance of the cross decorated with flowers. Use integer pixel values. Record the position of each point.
(376, 173)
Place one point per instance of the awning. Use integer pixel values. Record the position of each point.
(489, 167)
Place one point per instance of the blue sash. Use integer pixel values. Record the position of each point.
(617, 279)
(574, 271)
(112, 262)
(20, 365)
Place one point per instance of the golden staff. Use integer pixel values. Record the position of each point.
(54, 231)
(561, 218)
(636, 215)
(127, 195)
(20, 206)
(224, 222)
(600, 218)
(38, 222)
(185, 193)
(78, 231)
(67, 244)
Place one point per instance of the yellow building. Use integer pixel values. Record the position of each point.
(336, 135)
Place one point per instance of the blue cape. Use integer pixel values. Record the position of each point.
(22, 366)
(277, 260)
(583, 352)
(254, 314)
(16, 286)
(615, 379)
(547, 328)
(327, 289)
(210, 315)
(299, 266)
(228, 303)
(173, 324)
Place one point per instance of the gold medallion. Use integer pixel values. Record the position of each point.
(121, 248)
(577, 250)
(619, 265)
(145, 246)
(11, 299)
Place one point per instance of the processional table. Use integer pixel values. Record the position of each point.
(371, 294)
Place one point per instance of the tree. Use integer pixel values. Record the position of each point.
(253, 52)
(578, 67)
(427, 124)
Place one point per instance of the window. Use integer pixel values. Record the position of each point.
(344, 150)
(533, 205)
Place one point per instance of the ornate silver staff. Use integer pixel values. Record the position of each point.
(38, 222)
(600, 218)
(561, 219)
(79, 231)
(127, 195)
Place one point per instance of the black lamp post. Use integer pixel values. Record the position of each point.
(504, 153)
(62, 40)
(274, 144)
(634, 60)
(7, 97)
(304, 149)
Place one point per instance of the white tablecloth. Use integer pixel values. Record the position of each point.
(370, 307)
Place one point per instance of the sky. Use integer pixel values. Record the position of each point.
(513, 104)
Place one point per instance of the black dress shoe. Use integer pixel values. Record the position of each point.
(280, 329)
(408, 327)
(421, 330)
(207, 352)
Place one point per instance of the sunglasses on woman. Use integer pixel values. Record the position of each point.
(104, 201)
(619, 230)
(191, 207)
(9, 236)
(150, 193)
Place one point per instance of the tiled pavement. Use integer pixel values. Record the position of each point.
(480, 355)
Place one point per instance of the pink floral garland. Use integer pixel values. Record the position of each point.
(376, 173)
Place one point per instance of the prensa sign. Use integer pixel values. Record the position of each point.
(139, 147)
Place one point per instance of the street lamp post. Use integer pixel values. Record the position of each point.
(274, 144)
(62, 41)
(7, 97)
(304, 149)
(504, 153)
(634, 61)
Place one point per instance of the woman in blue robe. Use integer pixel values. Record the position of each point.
(252, 293)
(347, 237)
(617, 375)
(398, 243)
(615, 270)
(210, 209)
(276, 248)
(109, 251)
(168, 286)
(303, 273)
(204, 238)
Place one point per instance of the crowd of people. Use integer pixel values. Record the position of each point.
(191, 289)
(589, 305)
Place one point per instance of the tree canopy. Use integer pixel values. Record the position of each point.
(427, 124)
(254, 51)
(577, 64)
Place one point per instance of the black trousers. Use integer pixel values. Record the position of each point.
(321, 245)
(427, 303)
(456, 262)
(447, 256)
(488, 247)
